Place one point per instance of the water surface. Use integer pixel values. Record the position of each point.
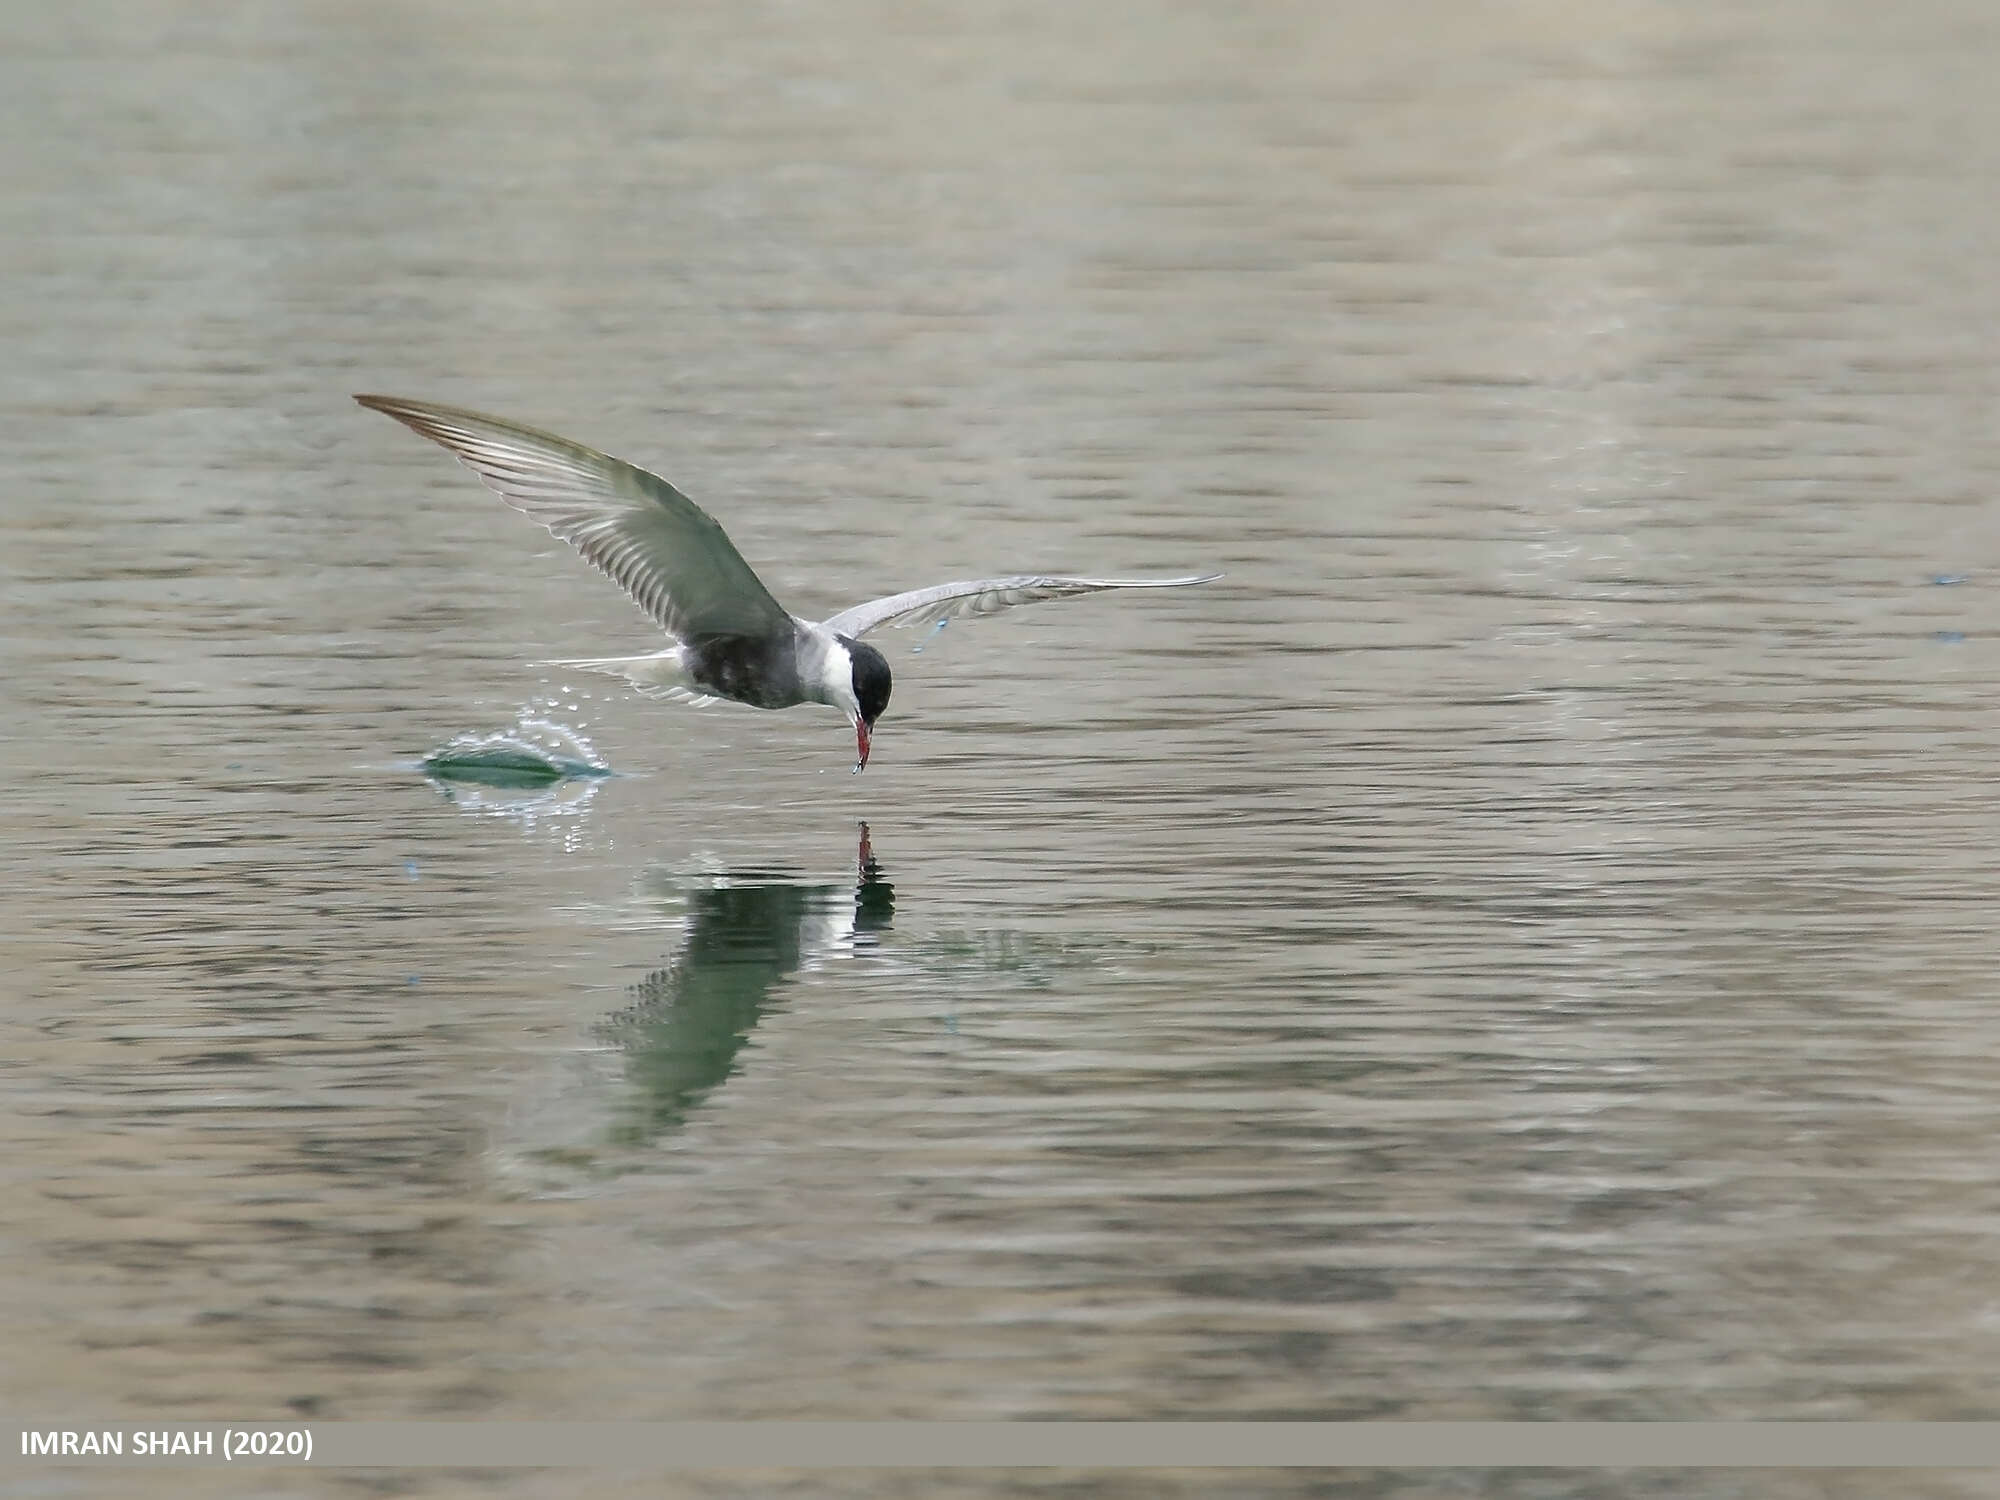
(1518, 947)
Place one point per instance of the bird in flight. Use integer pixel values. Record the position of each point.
(731, 639)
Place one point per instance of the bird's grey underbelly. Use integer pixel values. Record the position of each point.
(761, 672)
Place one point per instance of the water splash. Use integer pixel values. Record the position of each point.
(538, 768)
(535, 752)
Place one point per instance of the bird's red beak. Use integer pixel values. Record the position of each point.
(861, 742)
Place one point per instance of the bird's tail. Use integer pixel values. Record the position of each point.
(662, 672)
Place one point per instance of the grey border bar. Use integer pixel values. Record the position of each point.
(1090, 1445)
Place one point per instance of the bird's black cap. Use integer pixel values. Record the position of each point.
(871, 679)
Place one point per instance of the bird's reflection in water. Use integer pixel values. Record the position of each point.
(747, 933)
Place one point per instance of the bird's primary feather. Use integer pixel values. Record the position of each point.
(667, 552)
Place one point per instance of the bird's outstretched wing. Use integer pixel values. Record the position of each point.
(668, 552)
(984, 596)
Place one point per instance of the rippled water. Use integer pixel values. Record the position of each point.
(1519, 946)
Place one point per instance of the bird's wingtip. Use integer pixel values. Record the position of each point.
(418, 415)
